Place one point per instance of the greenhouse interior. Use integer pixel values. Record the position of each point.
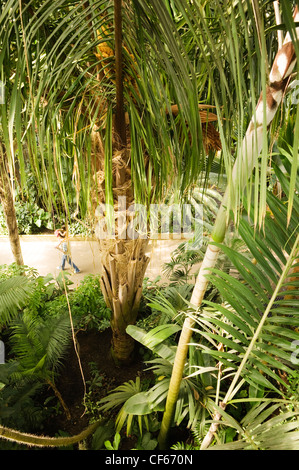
(149, 242)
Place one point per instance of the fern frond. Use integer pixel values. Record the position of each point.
(13, 294)
(39, 345)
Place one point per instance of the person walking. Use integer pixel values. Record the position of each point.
(64, 247)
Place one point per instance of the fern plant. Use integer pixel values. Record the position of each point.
(14, 292)
(38, 346)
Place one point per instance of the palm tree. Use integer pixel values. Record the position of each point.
(7, 201)
(9, 107)
(253, 143)
(116, 91)
(100, 94)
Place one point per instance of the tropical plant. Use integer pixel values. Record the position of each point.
(256, 326)
(115, 444)
(127, 395)
(14, 292)
(14, 269)
(195, 388)
(249, 148)
(38, 336)
(268, 425)
(37, 342)
(38, 346)
(264, 300)
(125, 123)
(246, 341)
(86, 302)
(18, 406)
(146, 442)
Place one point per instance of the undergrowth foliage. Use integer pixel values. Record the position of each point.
(39, 332)
(36, 329)
(240, 378)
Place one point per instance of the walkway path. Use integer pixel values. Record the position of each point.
(39, 252)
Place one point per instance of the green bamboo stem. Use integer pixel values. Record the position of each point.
(266, 108)
(186, 334)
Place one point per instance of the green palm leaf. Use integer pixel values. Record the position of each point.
(262, 298)
(13, 294)
(154, 339)
(263, 428)
(40, 345)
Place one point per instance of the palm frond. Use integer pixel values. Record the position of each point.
(40, 345)
(264, 427)
(261, 302)
(13, 294)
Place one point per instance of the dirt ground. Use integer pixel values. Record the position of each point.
(94, 348)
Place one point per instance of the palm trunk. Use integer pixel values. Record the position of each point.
(120, 125)
(124, 261)
(252, 144)
(7, 201)
(124, 264)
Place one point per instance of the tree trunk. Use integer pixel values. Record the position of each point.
(120, 124)
(123, 259)
(124, 263)
(282, 68)
(7, 201)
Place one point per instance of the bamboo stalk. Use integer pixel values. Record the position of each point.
(282, 68)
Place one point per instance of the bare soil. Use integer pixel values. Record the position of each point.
(94, 347)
